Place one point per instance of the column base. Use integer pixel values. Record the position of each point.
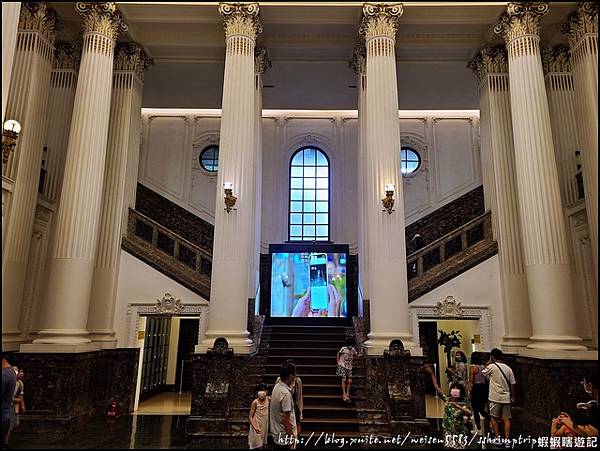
(379, 342)
(11, 341)
(238, 340)
(55, 348)
(548, 354)
(556, 343)
(514, 344)
(104, 338)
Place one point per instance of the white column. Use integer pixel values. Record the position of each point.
(359, 65)
(261, 64)
(388, 283)
(27, 103)
(63, 82)
(491, 67)
(582, 27)
(544, 235)
(10, 23)
(561, 103)
(234, 230)
(130, 62)
(76, 232)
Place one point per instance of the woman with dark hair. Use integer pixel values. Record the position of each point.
(458, 373)
(477, 389)
(345, 357)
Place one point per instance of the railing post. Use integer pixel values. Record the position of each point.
(176, 249)
(198, 262)
(154, 236)
(420, 265)
(443, 251)
(463, 239)
(131, 223)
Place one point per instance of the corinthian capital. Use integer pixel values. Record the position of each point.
(101, 17)
(489, 60)
(380, 19)
(67, 55)
(520, 19)
(131, 56)
(583, 21)
(358, 63)
(39, 17)
(240, 19)
(556, 58)
(261, 59)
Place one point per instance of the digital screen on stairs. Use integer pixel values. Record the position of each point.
(308, 284)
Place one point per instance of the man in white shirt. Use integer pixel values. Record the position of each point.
(501, 393)
(281, 410)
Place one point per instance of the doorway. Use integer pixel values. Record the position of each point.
(165, 375)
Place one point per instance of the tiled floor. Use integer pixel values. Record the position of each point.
(168, 403)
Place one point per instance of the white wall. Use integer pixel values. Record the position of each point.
(140, 283)
(448, 142)
(477, 287)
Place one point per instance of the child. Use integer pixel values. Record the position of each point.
(345, 356)
(456, 417)
(259, 419)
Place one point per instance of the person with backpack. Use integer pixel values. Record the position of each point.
(501, 391)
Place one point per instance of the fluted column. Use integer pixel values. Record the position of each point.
(388, 283)
(543, 230)
(234, 230)
(10, 23)
(491, 68)
(261, 64)
(130, 62)
(582, 28)
(27, 103)
(359, 65)
(74, 248)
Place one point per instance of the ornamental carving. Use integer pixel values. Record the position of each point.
(380, 19)
(39, 17)
(583, 21)
(489, 60)
(520, 19)
(67, 55)
(101, 17)
(240, 19)
(449, 307)
(261, 59)
(359, 59)
(556, 58)
(132, 57)
(168, 304)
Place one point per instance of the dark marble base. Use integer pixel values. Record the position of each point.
(64, 391)
(544, 389)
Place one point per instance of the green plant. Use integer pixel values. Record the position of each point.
(449, 340)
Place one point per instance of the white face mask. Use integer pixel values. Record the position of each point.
(262, 395)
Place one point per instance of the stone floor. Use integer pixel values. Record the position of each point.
(167, 403)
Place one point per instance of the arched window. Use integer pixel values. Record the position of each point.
(410, 160)
(209, 158)
(309, 195)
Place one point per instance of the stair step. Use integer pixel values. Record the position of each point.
(319, 425)
(308, 379)
(312, 369)
(312, 359)
(294, 352)
(327, 400)
(305, 336)
(305, 343)
(331, 412)
(314, 330)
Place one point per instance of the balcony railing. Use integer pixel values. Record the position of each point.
(450, 255)
(168, 252)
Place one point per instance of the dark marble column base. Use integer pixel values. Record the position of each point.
(64, 391)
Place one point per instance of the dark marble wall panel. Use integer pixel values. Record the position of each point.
(64, 390)
(446, 219)
(175, 218)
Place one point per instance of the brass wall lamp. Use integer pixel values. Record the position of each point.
(229, 197)
(388, 200)
(10, 134)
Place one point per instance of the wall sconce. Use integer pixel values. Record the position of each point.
(388, 201)
(10, 134)
(229, 197)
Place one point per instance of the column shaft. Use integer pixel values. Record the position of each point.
(27, 103)
(74, 248)
(385, 234)
(234, 230)
(10, 23)
(543, 229)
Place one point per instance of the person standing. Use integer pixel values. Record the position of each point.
(296, 397)
(478, 389)
(259, 419)
(345, 357)
(501, 393)
(282, 418)
(9, 382)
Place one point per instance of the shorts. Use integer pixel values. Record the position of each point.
(344, 372)
(499, 409)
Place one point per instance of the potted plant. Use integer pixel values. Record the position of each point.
(449, 340)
